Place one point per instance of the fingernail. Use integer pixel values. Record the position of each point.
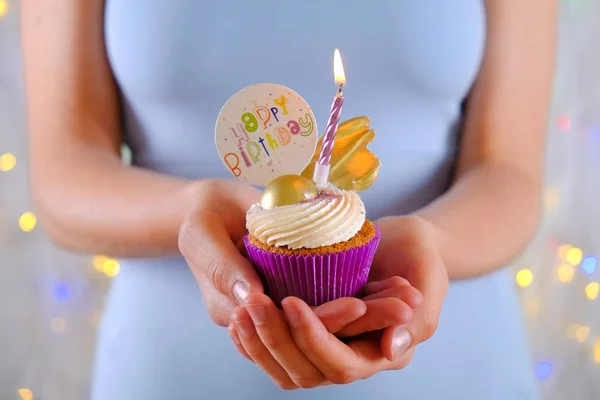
(257, 312)
(245, 327)
(240, 291)
(233, 333)
(400, 342)
(292, 314)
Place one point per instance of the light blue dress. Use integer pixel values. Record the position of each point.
(409, 66)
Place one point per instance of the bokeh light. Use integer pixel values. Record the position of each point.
(594, 131)
(562, 251)
(524, 277)
(572, 331)
(565, 273)
(25, 394)
(58, 325)
(61, 291)
(111, 267)
(589, 265)
(563, 122)
(574, 255)
(99, 261)
(543, 370)
(7, 161)
(582, 333)
(27, 221)
(591, 290)
(597, 350)
(3, 8)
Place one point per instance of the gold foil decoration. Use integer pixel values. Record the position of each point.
(286, 190)
(352, 165)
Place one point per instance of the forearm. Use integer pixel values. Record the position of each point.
(485, 219)
(89, 202)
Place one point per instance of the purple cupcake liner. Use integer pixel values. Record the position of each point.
(315, 279)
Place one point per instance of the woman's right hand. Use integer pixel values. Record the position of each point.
(211, 240)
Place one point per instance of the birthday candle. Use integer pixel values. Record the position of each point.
(322, 165)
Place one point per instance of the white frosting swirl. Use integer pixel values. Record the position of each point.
(335, 216)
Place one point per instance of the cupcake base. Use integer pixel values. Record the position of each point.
(316, 275)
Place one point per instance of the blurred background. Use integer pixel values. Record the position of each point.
(51, 301)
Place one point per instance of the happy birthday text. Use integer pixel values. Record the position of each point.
(252, 151)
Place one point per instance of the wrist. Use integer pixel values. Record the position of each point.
(192, 193)
(422, 227)
(415, 221)
(437, 233)
(229, 198)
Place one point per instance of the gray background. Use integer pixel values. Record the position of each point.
(50, 301)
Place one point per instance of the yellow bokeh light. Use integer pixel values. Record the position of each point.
(99, 261)
(58, 325)
(565, 273)
(597, 350)
(582, 333)
(7, 161)
(574, 255)
(562, 251)
(25, 394)
(3, 8)
(591, 290)
(572, 331)
(111, 267)
(27, 221)
(524, 277)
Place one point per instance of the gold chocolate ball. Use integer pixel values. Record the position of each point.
(286, 190)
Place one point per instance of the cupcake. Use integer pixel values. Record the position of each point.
(308, 242)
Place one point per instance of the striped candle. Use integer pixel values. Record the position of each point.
(322, 165)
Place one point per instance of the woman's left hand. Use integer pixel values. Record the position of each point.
(301, 352)
(409, 250)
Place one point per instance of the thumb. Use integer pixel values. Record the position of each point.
(433, 283)
(230, 273)
(208, 247)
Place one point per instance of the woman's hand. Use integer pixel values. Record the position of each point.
(389, 302)
(261, 333)
(409, 250)
(298, 350)
(211, 240)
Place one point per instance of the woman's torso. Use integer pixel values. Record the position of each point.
(409, 66)
(408, 69)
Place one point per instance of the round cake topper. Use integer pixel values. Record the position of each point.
(265, 131)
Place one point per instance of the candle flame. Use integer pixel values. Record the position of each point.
(338, 69)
